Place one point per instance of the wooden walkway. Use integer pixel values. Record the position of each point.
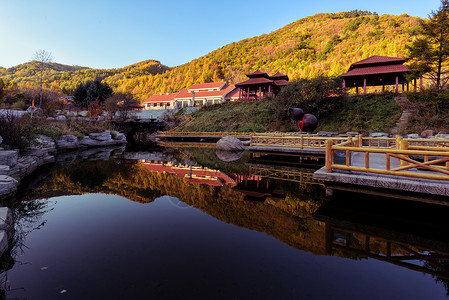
(412, 165)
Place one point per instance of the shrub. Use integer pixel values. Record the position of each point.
(14, 130)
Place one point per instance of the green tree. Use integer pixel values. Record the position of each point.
(429, 53)
(85, 93)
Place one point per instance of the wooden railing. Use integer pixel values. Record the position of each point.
(434, 153)
(284, 174)
(212, 134)
(303, 141)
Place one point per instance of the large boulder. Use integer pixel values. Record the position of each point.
(9, 158)
(67, 142)
(102, 136)
(225, 155)
(230, 143)
(427, 133)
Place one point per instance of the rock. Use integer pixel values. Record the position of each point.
(226, 155)
(5, 218)
(413, 136)
(378, 134)
(3, 241)
(4, 170)
(9, 158)
(352, 133)
(8, 186)
(327, 133)
(443, 135)
(103, 136)
(67, 142)
(117, 136)
(34, 151)
(230, 143)
(87, 141)
(61, 118)
(427, 133)
(50, 119)
(45, 141)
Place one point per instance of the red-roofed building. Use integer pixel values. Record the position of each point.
(161, 101)
(260, 85)
(377, 71)
(204, 94)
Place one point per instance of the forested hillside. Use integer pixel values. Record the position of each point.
(321, 44)
(65, 78)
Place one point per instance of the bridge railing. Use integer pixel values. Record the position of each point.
(212, 134)
(303, 141)
(434, 164)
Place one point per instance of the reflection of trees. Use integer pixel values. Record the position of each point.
(439, 266)
(206, 157)
(109, 177)
(289, 220)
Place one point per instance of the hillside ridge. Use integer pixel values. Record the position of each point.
(322, 44)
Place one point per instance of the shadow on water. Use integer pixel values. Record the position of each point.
(262, 192)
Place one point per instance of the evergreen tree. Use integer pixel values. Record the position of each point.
(429, 53)
(90, 91)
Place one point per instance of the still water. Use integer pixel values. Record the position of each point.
(186, 225)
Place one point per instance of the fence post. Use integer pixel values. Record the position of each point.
(404, 146)
(360, 141)
(328, 156)
(398, 142)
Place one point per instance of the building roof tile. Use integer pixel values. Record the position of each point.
(168, 97)
(376, 70)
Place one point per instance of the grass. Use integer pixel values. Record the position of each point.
(373, 113)
(377, 112)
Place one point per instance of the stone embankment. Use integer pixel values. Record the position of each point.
(15, 166)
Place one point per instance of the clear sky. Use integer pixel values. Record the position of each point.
(114, 34)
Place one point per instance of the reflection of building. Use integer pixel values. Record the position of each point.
(414, 236)
(193, 174)
(255, 188)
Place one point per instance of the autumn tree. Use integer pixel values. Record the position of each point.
(41, 58)
(429, 53)
(2, 90)
(121, 103)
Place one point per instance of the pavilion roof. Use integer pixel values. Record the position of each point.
(278, 75)
(377, 60)
(257, 74)
(280, 82)
(254, 81)
(375, 70)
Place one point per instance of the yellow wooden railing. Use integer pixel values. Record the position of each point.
(435, 155)
(212, 134)
(303, 141)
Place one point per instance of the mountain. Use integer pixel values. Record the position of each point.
(321, 44)
(66, 78)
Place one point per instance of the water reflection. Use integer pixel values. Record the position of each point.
(261, 192)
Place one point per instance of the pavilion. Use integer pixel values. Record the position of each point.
(260, 85)
(377, 71)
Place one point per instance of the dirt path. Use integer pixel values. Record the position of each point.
(408, 109)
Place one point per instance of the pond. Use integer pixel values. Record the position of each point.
(182, 224)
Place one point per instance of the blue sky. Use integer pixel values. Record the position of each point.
(113, 34)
